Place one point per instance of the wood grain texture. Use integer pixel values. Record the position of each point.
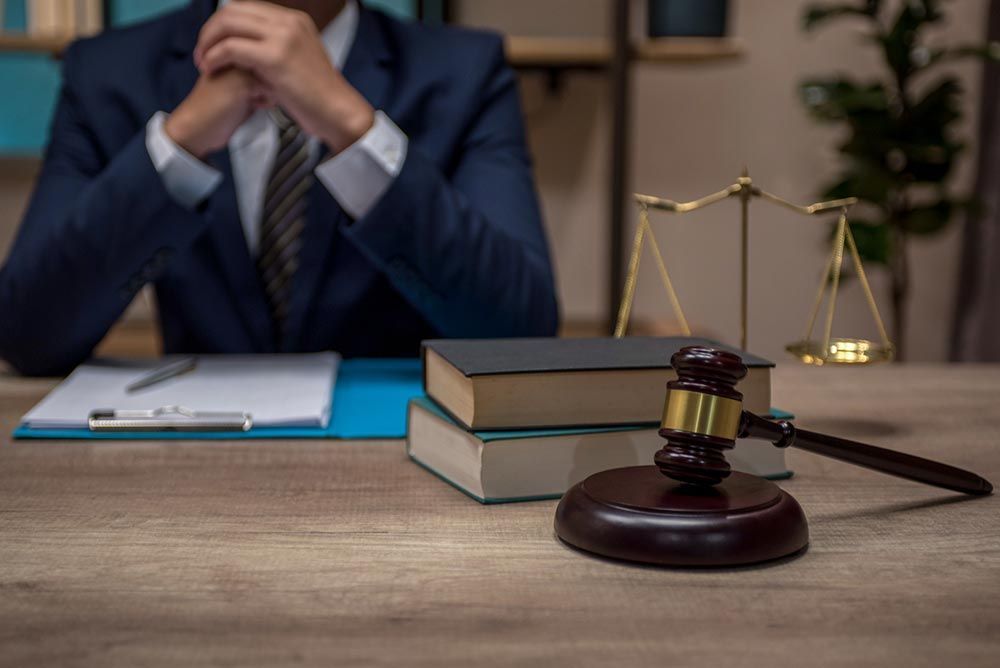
(345, 553)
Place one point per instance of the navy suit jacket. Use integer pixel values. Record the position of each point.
(455, 247)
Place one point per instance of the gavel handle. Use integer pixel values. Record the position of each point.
(784, 434)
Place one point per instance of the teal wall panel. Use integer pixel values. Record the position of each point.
(124, 12)
(30, 83)
(14, 17)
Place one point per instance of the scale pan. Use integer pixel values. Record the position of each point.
(841, 351)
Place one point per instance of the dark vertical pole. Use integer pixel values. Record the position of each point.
(619, 153)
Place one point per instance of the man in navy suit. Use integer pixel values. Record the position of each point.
(292, 176)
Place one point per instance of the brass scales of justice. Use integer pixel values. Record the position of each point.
(827, 350)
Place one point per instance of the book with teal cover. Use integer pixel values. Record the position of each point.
(370, 400)
(508, 435)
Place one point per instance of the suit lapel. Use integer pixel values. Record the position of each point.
(367, 69)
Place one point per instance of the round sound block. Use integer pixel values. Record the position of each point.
(638, 514)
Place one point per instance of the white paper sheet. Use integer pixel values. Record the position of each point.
(276, 390)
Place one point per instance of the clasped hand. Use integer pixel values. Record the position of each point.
(253, 55)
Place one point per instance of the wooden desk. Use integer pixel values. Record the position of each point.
(346, 553)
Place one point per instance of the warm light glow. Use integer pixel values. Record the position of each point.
(841, 351)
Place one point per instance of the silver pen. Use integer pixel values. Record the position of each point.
(169, 370)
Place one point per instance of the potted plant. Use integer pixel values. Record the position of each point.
(900, 143)
(687, 18)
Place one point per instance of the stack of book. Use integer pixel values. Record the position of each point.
(523, 419)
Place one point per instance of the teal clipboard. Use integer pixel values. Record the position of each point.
(369, 402)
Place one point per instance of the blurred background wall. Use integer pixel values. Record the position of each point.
(693, 126)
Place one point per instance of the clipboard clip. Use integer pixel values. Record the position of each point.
(168, 418)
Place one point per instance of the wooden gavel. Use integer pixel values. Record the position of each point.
(704, 416)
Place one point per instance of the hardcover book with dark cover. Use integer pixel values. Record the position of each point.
(549, 382)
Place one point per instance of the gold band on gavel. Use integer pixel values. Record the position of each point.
(700, 413)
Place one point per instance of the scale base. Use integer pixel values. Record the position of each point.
(638, 514)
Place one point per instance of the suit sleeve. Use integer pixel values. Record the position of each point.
(467, 248)
(92, 236)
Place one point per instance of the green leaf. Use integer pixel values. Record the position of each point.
(932, 11)
(929, 219)
(899, 42)
(815, 15)
(931, 164)
(838, 99)
(989, 51)
(865, 180)
(939, 106)
(872, 240)
(906, 146)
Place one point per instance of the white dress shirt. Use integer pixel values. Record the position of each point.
(356, 177)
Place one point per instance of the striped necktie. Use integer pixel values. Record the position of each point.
(284, 216)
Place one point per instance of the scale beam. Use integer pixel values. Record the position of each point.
(827, 350)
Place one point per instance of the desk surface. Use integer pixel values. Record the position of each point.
(321, 552)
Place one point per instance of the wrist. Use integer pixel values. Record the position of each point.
(185, 134)
(348, 126)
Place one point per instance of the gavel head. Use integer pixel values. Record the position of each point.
(701, 415)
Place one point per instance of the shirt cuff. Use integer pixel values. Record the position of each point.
(360, 174)
(187, 179)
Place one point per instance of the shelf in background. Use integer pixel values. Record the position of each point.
(595, 52)
(688, 49)
(584, 52)
(11, 42)
(558, 51)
